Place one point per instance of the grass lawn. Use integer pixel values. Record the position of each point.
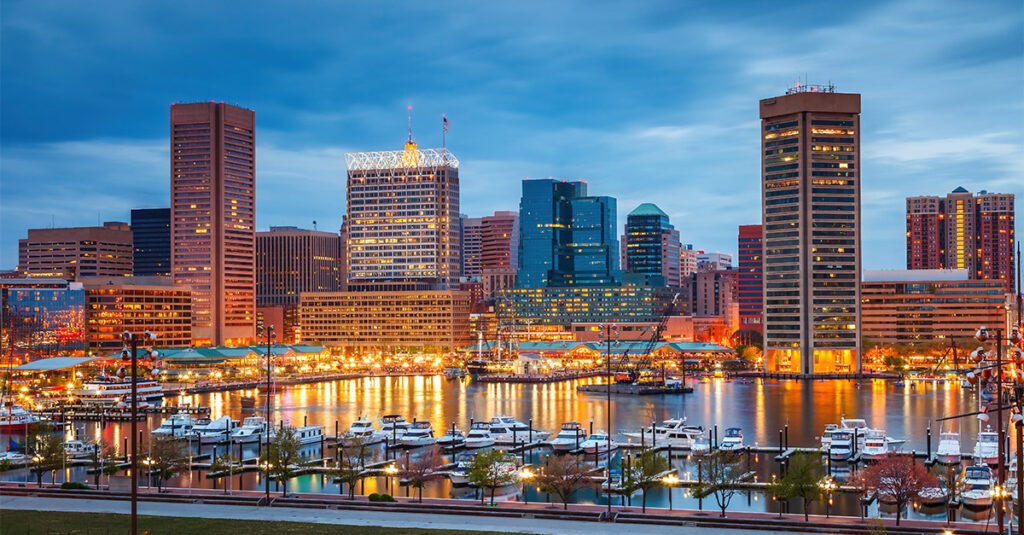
(16, 522)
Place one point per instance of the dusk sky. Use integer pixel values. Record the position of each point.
(647, 101)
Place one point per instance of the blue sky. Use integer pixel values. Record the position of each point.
(648, 101)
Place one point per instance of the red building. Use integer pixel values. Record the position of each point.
(499, 245)
(751, 278)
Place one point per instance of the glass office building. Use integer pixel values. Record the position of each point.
(44, 315)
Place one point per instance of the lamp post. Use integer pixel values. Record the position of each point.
(670, 480)
(828, 486)
(268, 421)
(389, 472)
(526, 475)
(610, 330)
(130, 351)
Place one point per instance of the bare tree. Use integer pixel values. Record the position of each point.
(167, 458)
(418, 471)
(643, 472)
(349, 465)
(563, 476)
(719, 474)
(897, 478)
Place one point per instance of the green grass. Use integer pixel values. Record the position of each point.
(17, 522)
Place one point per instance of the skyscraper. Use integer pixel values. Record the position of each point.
(651, 246)
(213, 218)
(963, 231)
(566, 237)
(471, 246)
(151, 242)
(74, 252)
(811, 217)
(290, 260)
(751, 278)
(402, 219)
(687, 260)
(499, 248)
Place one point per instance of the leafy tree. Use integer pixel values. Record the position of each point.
(282, 454)
(802, 480)
(491, 470)
(899, 478)
(720, 472)
(349, 467)
(168, 456)
(417, 472)
(48, 457)
(643, 472)
(778, 489)
(223, 463)
(563, 476)
(103, 461)
(894, 362)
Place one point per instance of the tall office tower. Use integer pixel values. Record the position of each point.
(151, 242)
(290, 260)
(471, 245)
(715, 293)
(750, 293)
(499, 248)
(74, 252)
(810, 211)
(403, 220)
(213, 218)
(343, 257)
(713, 261)
(651, 246)
(963, 231)
(687, 260)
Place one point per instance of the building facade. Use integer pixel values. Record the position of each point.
(687, 260)
(923, 305)
(651, 246)
(73, 252)
(567, 305)
(43, 315)
(963, 231)
(711, 261)
(151, 242)
(499, 252)
(290, 260)
(402, 220)
(136, 304)
(428, 320)
(213, 218)
(472, 245)
(750, 292)
(810, 207)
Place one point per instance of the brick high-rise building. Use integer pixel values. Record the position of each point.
(963, 231)
(811, 217)
(499, 247)
(74, 252)
(213, 218)
(151, 242)
(751, 278)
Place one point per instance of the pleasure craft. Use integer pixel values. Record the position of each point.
(452, 439)
(733, 439)
(76, 449)
(684, 438)
(841, 447)
(479, 436)
(933, 496)
(253, 429)
(14, 418)
(14, 458)
(875, 445)
(826, 435)
(986, 450)
(215, 432)
(977, 483)
(506, 429)
(949, 448)
(418, 435)
(857, 426)
(361, 429)
(108, 390)
(392, 427)
(598, 442)
(178, 425)
(701, 444)
(662, 429)
(309, 434)
(459, 475)
(569, 438)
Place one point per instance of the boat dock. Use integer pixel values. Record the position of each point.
(635, 389)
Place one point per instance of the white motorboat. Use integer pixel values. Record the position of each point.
(977, 486)
(733, 439)
(417, 435)
(875, 445)
(110, 389)
(15, 458)
(857, 426)
(986, 450)
(479, 436)
(700, 444)
(253, 429)
(309, 434)
(506, 429)
(14, 418)
(598, 442)
(826, 435)
(569, 438)
(216, 432)
(178, 425)
(841, 447)
(684, 438)
(661, 430)
(459, 475)
(361, 429)
(76, 449)
(452, 439)
(949, 448)
(392, 427)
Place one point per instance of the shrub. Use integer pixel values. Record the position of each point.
(74, 485)
(381, 498)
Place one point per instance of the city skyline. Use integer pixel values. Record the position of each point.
(684, 118)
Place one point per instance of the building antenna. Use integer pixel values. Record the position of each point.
(314, 224)
(410, 123)
(444, 132)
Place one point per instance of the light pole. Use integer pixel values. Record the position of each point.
(389, 472)
(828, 486)
(268, 421)
(130, 351)
(526, 475)
(670, 481)
(609, 329)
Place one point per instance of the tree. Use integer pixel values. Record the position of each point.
(719, 473)
(417, 472)
(167, 457)
(643, 472)
(894, 363)
(897, 478)
(281, 455)
(802, 480)
(223, 463)
(349, 466)
(563, 476)
(103, 461)
(778, 489)
(49, 454)
(491, 470)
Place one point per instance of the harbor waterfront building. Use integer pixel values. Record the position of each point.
(810, 206)
(963, 231)
(650, 246)
(151, 242)
(425, 320)
(750, 292)
(43, 315)
(73, 252)
(918, 306)
(567, 305)
(402, 220)
(213, 218)
(136, 304)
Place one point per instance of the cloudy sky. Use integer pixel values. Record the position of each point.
(649, 101)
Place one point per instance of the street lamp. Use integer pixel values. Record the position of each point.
(390, 471)
(526, 475)
(670, 480)
(130, 351)
(268, 421)
(609, 330)
(828, 486)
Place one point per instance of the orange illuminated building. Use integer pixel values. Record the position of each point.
(114, 305)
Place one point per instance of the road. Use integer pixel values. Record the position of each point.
(355, 518)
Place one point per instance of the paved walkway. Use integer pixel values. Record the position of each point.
(356, 518)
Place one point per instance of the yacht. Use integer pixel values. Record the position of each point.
(76, 449)
(452, 439)
(361, 429)
(733, 439)
(309, 434)
(875, 445)
(215, 432)
(459, 475)
(826, 435)
(108, 390)
(683, 438)
(977, 485)
(662, 429)
(986, 450)
(598, 442)
(15, 458)
(417, 435)
(178, 425)
(479, 436)
(700, 444)
(253, 429)
(569, 438)
(841, 447)
(857, 426)
(14, 418)
(949, 448)
(392, 427)
(508, 429)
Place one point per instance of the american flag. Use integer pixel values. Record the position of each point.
(444, 123)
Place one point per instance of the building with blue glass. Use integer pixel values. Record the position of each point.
(651, 247)
(43, 315)
(151, 242)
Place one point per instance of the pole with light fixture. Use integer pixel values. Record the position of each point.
(130, 351)
(268, 421)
